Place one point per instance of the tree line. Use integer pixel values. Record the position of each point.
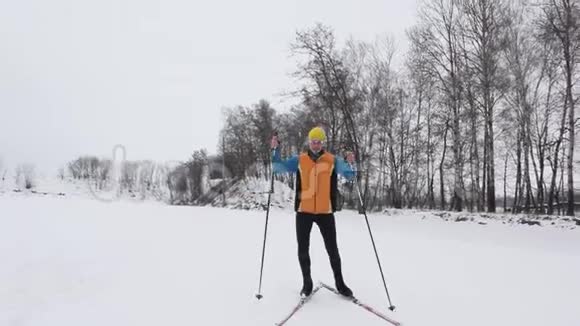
(137, 178)
(482, 108)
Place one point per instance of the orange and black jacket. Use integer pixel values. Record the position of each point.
(316, 179)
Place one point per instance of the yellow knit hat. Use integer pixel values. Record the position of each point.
(317, 133)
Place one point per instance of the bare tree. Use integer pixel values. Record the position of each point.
(25, 176)
(178, 185)
(375, 96)
(129, 176)
(544, 107)
(441, 23)
(103, 173)
(473, 111)
(263, 123)
(422, 81)
(61, 173)
(327, 79)
(195, 168)
(522, 60)
(562, 21)
(242, 144)
(485, 22)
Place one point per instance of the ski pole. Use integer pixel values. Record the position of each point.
(363, 209)
(259, 294)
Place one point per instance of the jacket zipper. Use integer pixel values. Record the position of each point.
(315, 184)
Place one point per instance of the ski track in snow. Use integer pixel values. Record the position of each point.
(75, 261)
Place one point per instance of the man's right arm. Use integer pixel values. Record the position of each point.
(289, 165)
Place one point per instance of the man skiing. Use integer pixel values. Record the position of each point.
(316, 199)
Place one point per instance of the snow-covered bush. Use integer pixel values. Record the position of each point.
(25, 176)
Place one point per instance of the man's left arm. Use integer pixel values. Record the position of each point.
(343, 168)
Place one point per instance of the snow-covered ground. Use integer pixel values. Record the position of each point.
(75, 261)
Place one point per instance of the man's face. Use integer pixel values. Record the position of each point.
(315, 145)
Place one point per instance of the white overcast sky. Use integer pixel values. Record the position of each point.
(78, 77)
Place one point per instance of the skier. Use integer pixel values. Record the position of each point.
(316, 196)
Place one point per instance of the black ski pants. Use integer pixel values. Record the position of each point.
(327, 225)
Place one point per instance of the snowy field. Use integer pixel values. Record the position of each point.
(75, 261)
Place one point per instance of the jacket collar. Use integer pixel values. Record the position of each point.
(315, 156)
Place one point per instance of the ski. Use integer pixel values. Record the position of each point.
(362, 305)
(301, 303)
